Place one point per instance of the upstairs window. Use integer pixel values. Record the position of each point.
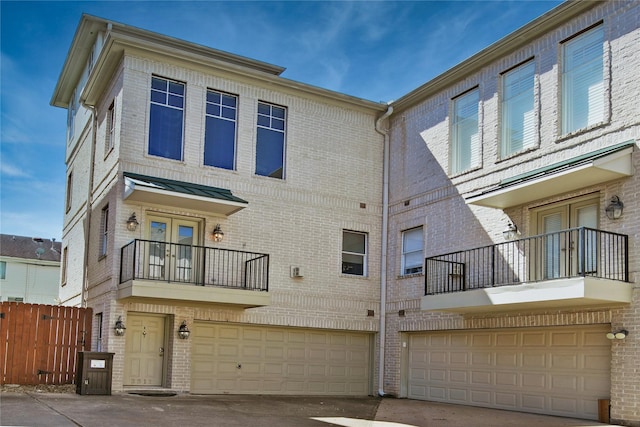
(69, 192)
(583, 102)
(465, 138)
(220, 130)
(111, 128)
(412, 251)
(166, 118)
(104, 231)
(518, 118)
(354, 253)
(270, 140)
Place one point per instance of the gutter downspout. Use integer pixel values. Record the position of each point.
(87, 215)
(383, 255)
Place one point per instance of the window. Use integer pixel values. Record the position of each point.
(166, 118)
(98, 328)
(583, 81)
(270, 141)
(465, 140)
(111, 127)
(354, 253)
(3, 270)
(412, 251)
(65, 264)
(69, 191)
(104, 231)
(518, 126)
(71, 115)
(220, 131)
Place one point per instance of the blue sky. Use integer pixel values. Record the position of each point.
(373, 50)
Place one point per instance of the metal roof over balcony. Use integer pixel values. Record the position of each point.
(184, 195)
(599, 166)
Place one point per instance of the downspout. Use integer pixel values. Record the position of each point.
(383, 255)
(87, 215)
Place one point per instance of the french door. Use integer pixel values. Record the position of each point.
(171, 252)
(568, 253)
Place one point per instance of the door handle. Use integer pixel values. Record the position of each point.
(161, 351)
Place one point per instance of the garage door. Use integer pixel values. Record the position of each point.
(242, 359)
(557, 371)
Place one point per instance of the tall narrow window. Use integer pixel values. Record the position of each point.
(71, 116)
(518, 127)
(98, 328)
(354, 253)
(220, 131)
(104, 231)
(69, 192)
(111, 128)
(412, 251)
(3, 270)
(583, 102)
(166, 118)
(465, 139)
(65, 265)
(270, 140)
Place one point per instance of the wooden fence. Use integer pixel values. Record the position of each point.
(39, 343)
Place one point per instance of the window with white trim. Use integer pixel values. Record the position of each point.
(65, 264)
(354, 253)
(412, 243)
(583, 98)
(3, 270)
(166, 118)
(69, 192)
(104, 231)
(270, 140)
(111, 128)
(220, 130)
(518, 118)
(465, 134)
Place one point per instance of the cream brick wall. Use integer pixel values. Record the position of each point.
(423, 193)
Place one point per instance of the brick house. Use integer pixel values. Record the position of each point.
(491, 213)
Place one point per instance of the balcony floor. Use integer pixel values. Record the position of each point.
(565, 293)
(151, 290)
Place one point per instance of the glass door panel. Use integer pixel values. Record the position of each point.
(171, 249)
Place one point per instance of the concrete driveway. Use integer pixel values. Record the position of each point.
(124, 410)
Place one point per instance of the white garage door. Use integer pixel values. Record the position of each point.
(240, 359)
(557, 371)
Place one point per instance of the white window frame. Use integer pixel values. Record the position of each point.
(465, 145)
(364, 254)
(69, 198)
(104, 231)
(518, 94)
(408, 251)
(583, 60)
(65, 265)
(3, 270)
(111, 128)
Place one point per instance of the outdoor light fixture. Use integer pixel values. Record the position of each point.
(183, 331)
(511, 232)
(618, 335)
(614, 209)
(132, 222)
(217, 235)
(119, 329)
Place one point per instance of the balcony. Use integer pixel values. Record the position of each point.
(153, 270)
(578, 267)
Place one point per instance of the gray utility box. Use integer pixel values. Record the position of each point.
(94, 371)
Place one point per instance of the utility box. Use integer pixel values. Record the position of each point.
(94, 372)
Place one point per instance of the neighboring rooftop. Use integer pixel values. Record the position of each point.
(35, 248)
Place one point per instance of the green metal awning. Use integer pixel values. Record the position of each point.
(180, 194)
(605, 164)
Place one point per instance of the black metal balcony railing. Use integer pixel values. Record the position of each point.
(576, 252)
(196, 265)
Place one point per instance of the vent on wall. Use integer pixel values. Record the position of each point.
(296, 272)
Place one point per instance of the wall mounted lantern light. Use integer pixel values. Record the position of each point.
(511, 232)
(183, 331)
(618, 335)
(614, 208)
(120, 328)
(217, 235)
(132, 222)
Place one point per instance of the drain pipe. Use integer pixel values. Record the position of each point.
(87, 216)
(383, 255)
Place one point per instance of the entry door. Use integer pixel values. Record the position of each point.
(562, 253)
(171, 252)
(144, 350)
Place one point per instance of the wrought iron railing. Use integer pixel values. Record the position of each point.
(569, 253)
(196, 265)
